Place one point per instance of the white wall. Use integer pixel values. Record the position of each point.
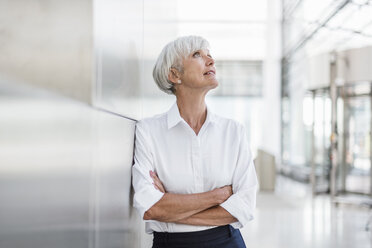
(270, 114)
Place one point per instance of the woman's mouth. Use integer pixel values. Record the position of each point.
(210, 72)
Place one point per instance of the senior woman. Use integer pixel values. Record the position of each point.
(194, 178)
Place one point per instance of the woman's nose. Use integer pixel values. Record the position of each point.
(209, 61)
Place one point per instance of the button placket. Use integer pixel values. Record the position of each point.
(198, 165)
(193, 161)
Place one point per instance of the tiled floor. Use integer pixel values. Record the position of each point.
(291, 217)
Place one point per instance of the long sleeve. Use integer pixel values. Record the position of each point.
(242, 203)
(146, 195)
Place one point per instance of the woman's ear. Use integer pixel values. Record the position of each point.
(174, 76)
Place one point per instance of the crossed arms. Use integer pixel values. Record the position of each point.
(216, 207)
(192, 209)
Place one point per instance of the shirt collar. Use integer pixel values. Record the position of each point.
(174, 117)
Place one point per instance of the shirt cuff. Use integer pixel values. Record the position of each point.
(145, 199)
(239, 209)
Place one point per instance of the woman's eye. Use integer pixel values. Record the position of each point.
(196, 54)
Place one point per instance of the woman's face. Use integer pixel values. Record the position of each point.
(199, 71)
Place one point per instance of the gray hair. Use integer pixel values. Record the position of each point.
(171, 57)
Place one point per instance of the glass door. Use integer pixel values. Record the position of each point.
(354, 172)
(319, 155)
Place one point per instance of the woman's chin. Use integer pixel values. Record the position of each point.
(215, 84)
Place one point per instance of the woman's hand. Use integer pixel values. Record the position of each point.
(223, 193)
(157, 183)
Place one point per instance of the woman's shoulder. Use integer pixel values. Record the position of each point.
(152, 122)
(229, 123)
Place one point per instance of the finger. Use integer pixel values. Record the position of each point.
(162, 188)
(159, 186)
(156, 187)
(155, 178)
(157, 181)
(153, 175)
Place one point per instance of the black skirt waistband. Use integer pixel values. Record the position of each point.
(205, 235)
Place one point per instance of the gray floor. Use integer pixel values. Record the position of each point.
(291, 217)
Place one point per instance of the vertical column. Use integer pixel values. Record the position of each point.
(333, 95)
(345, 143)
(313, 168)
(370, 139)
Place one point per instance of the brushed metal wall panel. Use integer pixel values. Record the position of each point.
(49, 44)
(129, 36)
(65, 176)
(118, 29)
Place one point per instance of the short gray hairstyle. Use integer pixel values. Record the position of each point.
(171, 57)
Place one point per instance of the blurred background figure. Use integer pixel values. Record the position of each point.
(76, 75)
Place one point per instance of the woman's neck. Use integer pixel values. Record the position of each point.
(193, 110)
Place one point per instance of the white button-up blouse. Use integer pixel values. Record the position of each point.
(187, 163)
